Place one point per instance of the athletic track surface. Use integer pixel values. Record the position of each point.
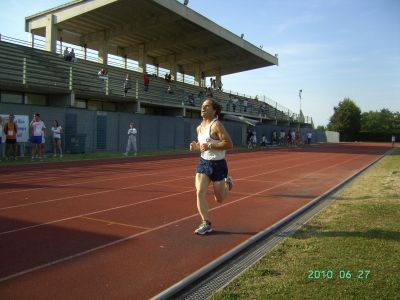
(123, 228)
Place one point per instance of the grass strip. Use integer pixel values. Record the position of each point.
(350, 250)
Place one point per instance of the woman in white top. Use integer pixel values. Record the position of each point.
(213, 141)
(132, 132)
(57, 130)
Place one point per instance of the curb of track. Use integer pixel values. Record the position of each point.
(170, 292)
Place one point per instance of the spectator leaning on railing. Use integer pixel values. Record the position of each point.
(103, 74)
(127, 84)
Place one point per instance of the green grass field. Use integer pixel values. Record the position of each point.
(350, 250)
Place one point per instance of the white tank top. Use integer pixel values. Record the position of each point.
(205, 137)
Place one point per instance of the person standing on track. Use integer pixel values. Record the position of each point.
(213, 141)
(132, 132)
(57, 130)
(38, 129)
(11, 130)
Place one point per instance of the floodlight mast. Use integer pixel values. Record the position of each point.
(300, 91)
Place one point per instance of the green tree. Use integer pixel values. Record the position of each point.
(346, 119)
(380, 121)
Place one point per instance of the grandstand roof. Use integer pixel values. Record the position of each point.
(166, 29)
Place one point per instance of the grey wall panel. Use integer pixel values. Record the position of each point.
(148, 132)
(154, 132)
(166, 137)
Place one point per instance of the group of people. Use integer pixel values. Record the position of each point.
(215, 85)
(38, 129)
(69, 55)
(38, 137)
(236, 103)
(291, 138)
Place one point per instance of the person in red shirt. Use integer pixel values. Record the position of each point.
(146, 82)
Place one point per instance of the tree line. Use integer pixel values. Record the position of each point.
(352, 124)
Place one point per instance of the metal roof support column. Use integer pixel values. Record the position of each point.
(197, 75)
(103, 54)
(172, 66)
(51, 34)
(142, 59)
(218, 78)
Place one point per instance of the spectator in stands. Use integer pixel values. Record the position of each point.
(72, 56)
(214, 84)
(393, 140)
(234, 103)
(57, 130)
(263, 109)
(38, 128)
(66, 55)
(220, 85)
(244, 105)
(127, 84)
(146, 81)
(168, 77)
(1, 138)
(132, 133)
(11, 130)
(190, 99)
(229, 103)
(169, 90)
(211, 82)
(209, 93)
(103, 74)
(201, 96)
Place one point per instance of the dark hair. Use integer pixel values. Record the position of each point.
(57, 124)
(216, 106)
(37, 114)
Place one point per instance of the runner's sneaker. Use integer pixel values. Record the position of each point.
(204, 228)
(229, 182)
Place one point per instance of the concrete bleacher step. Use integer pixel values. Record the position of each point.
(50, 69)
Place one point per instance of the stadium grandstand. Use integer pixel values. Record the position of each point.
(178, 48)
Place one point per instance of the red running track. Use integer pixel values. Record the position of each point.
(123, 229)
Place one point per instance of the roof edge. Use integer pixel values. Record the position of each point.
(200, 20)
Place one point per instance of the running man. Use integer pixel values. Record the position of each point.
(213, 141)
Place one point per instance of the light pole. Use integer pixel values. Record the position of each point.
(300, 91)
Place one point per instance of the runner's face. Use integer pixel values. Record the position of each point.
(207, 110)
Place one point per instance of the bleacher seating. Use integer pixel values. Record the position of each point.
(33, 68)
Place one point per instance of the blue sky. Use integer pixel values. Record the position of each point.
(331, 49)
